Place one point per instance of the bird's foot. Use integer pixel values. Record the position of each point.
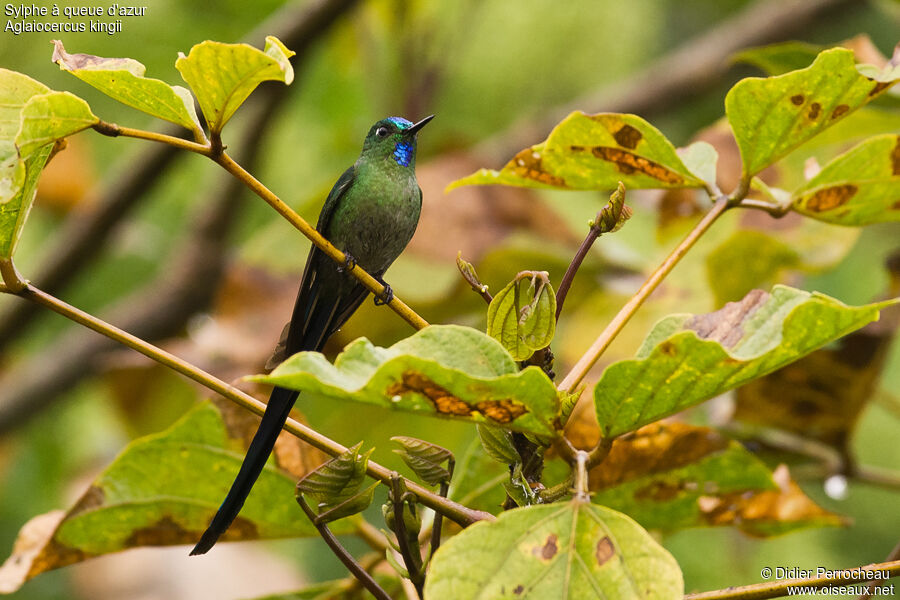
(386, 296)
(349, 263)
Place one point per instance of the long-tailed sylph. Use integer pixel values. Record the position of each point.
(370, 214)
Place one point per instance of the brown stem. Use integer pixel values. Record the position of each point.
(438, 517)
(345, 557)
(412, 557)
(563, 289)
(584, 364)
(776, 589)
(870, 588)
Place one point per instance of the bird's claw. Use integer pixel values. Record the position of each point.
(386, 296)
(349, 263)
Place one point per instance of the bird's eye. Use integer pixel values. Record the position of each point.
(382, 132)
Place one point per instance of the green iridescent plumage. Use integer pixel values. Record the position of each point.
(371, 214)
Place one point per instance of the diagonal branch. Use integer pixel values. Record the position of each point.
(776, 589)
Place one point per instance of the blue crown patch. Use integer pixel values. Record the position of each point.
(400, 122)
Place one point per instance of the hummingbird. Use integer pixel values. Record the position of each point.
(370, 214)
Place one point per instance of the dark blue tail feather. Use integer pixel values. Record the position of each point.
(280, 403)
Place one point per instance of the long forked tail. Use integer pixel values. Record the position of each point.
(280, 403)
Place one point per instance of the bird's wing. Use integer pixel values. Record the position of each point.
(318, 312)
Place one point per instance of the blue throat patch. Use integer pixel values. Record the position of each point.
(403, 153)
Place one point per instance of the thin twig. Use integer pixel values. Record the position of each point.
(343, 555)
(438, 517)
(412, 557)
(563, 290)
(460, 514)
(584, 364)
(776, 589)
(870, 588)
(114, 130)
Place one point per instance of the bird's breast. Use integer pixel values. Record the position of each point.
(375, 223)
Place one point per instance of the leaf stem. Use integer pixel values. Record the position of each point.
(584, 364)
(376, 287)
(610, 218)
(113, 130)
(775, 210)
(438, 517)
(564, 285)
(775, 589)
(412, 557)
(345, 557)
(460, 514)
(13, 281)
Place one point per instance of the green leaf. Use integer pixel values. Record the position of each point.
(594, 152)
(123, 79)
(23, 179)
(498, 444)
(478, 480)
(162, 490)
(337, 479)
(49, 117)
(859, 187)
(18, 178)
(223, 75)
(761, 257)
(442, 370)
(564, 550)
(670, 476)
(700, 158)
(777, 59)
(772, 116)
(523, 317)
(687, 359)
(424, 458)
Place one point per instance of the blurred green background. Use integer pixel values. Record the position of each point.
(483, 67)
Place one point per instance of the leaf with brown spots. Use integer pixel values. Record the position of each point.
(688, 359)
(594, 152)
(161, 490)
(442, 370)
(822, 395)
(664, 474)
(859, 187)
(564, 550)
(772, 116)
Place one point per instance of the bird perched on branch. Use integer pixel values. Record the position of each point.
(370, 214)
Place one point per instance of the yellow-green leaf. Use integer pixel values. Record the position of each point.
(18, 175)
(687, 359)
(48, 117)
(859, 187)
(442, 370)
(594, 152)
(522, 316)
(162, 490)
(563, 550)
(772, 116)
(223, 75)
(123, 79)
